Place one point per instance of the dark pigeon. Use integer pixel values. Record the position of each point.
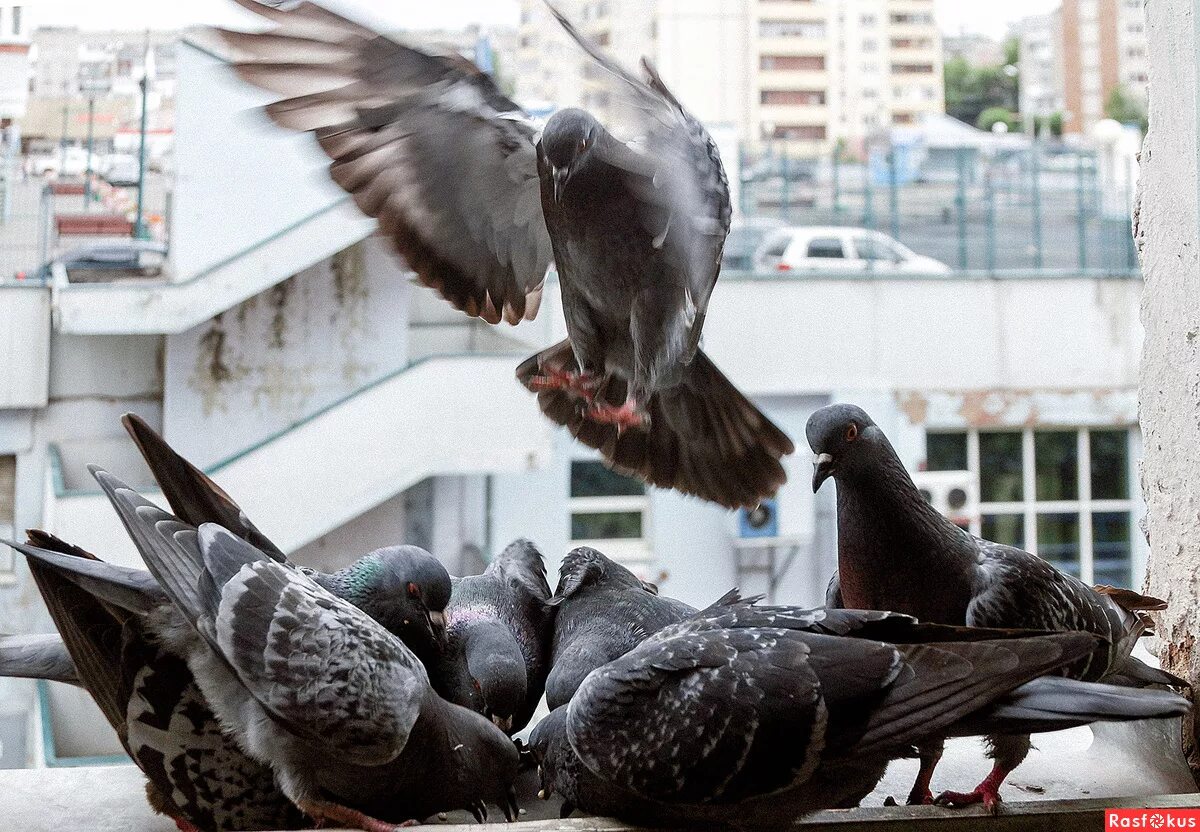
(404, 588)
(498, 627)
(725, 719)
(604, 611)
(340, 707)
(109, 621)
(891, 543)
(478, 206)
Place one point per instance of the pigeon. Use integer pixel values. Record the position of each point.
(339, 707)
(479, 205)
(603, 612)
(727, 720)
(498, 628)
(109, 621)
(404, 588)
(37, 656)
(891, 541)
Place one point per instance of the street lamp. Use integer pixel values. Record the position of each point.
(139, 227)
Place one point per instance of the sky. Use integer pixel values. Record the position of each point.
(990, 18)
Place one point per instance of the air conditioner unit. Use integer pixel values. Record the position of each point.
(953, 493)
(760, 521)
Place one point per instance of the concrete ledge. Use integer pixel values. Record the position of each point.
(111, 799)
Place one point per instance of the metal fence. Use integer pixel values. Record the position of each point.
(1044, 207)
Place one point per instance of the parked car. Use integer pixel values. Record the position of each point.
(121, 170)
(744, 238)
(72, 162)
(107, 261)
(840, 250)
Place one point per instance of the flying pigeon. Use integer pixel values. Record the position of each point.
(710, 721)
(341, 709)
(404, 588)
(110, 622)
(498, 627)
(38, 656)
(479, 206)
(897, 552)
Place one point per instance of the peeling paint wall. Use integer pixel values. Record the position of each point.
(286, 353)
(1167, 228)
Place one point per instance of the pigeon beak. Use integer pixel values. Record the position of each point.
(504, 723)
(437, 624)
(561, 177)
(822, 470)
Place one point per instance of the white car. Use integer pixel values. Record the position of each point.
(71, 163)
(839, 250)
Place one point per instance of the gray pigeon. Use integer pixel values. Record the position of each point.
(478, 207)
(109, 621)
(404, 588)
(891, 542)
(339, 707)
(38, 656)
(603, 612)
(498, 627)
(712, 721)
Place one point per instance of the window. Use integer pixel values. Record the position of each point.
(876, 248)
(1064, 494)
(913, 18)
(868, 20)
(798, 131)
(16, 20)
(912, 69)
(825, 247)
(8, 507)
(791, 29)
(791, 62)
(608, 511)
(793, 98)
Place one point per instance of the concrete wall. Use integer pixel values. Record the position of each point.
(24, 341)
(1166, 227)
(286, 353)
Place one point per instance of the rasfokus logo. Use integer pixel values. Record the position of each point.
(1152, 819)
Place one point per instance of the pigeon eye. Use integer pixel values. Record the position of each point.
(414, 590)
(852, 432)
(583, 145)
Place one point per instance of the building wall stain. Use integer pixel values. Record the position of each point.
(216, 367)
(1018, 408)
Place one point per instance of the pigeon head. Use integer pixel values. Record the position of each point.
(567, 143)
(550, 748)
(405, 589)
(497, 671)
(841, 436)
(585, 567)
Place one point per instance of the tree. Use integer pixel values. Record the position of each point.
(1124, 107)
(995, 115)
(972, 89)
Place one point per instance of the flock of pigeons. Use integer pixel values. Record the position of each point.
(258, 694)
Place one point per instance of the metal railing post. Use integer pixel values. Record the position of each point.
(893, 191)
(960, 202)
(1035, 199)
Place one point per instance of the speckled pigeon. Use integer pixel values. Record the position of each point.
(110, 620)
(498, 626)
(460, 183)
(728, 720)
(338, 706)
(897, 552)
(404, 588)
(603, 612)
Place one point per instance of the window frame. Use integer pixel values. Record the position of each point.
(631, 552)
(1029, 507)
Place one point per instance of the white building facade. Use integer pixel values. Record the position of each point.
(346, 409)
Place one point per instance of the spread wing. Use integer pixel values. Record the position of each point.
(675, 171)
(426, 144)
(702, 716)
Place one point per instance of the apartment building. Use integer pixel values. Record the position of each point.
(802, 72)
(1074, 57)
(14, 61)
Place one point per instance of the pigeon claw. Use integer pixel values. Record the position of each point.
(583, 385)
(627, 416)
(479, 811)
(920, 797)
(323, 811)
(984, 793)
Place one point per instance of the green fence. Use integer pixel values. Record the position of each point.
(1042, 207)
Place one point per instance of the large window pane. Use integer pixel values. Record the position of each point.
(946, 452)
(1058, 540)
(1111, 548)
(1056, 464)
(1008, 529)
(1000, 477)
(592, 479)
(1110, 464)
(606, 525)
